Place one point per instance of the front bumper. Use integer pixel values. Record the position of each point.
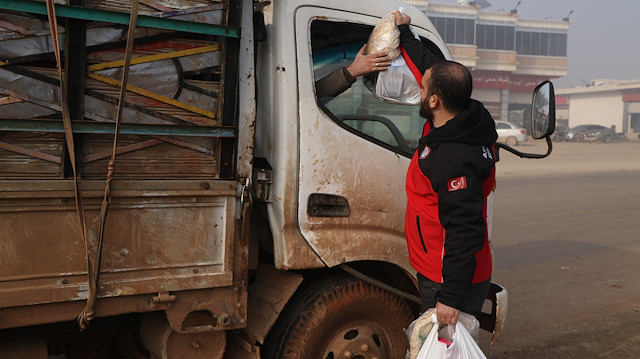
(494, 322)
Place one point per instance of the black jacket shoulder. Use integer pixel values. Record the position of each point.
(419, 53)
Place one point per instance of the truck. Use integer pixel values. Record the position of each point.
(171, 185)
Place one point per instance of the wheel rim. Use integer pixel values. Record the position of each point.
(358, 339)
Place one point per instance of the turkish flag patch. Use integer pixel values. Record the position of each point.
(457, 183)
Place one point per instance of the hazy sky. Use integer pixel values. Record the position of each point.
(604, 35)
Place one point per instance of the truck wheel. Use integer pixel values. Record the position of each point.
(341, 318)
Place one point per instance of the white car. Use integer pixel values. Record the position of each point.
(510, 134)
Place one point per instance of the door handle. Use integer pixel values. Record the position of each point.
(327, 205)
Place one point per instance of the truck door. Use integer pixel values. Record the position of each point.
(354, 148)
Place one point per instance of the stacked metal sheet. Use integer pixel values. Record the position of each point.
(175, 88)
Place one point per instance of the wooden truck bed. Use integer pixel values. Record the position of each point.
(170, 226)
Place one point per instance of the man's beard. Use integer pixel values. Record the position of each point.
(426, 111)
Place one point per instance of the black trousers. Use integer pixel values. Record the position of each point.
(473, 300)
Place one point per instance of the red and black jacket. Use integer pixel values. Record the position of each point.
(450, 176)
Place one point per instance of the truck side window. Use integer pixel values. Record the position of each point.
(397, 127)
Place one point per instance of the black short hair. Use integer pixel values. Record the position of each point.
(452, 82)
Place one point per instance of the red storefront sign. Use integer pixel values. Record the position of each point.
(490, 80)
(631, 96)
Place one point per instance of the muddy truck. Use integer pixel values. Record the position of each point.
(172, 186)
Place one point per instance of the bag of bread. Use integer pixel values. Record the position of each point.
(418, 331)
(385, 37)
(397, 84)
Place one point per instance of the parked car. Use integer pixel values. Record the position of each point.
(590, 133)
(510, 133)
(561, 133)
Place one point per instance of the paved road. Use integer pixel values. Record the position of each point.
(567, 244)
(571, 158)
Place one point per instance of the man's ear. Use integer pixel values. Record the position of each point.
(434, 101)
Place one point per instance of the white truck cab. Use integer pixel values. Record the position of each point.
(339, 164)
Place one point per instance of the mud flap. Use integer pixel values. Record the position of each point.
(494, 321)
(268, 295)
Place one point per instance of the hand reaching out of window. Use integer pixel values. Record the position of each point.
(365, 64)
(341, 79)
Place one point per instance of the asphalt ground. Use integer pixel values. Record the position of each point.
(570, 158)
(567, 248)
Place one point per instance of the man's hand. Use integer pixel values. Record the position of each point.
(402, 19)
(446, 314)
(364, 64)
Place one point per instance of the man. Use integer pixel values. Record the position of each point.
(448, 181)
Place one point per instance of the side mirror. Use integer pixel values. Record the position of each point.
(543, 119)
(543, 111)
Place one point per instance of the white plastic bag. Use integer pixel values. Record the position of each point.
(397, 84)
(432, 348)
(462, 344)
(418, 331)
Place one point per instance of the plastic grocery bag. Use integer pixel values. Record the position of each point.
(398, 85)
(460, 346)
(419, 330)
(385, 37)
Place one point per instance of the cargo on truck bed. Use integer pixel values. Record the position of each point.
(171, 221)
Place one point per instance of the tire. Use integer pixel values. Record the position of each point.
(512, 141)
(340, 317)
(607, 139)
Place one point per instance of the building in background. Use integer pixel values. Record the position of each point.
(508, 56)
(610, 103)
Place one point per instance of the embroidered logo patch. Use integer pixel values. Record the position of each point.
(455, 184)
(425, 153)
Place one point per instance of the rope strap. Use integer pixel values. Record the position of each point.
(94, 274)
(93, 266)
(66, 119)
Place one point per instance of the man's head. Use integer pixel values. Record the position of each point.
(447, 84)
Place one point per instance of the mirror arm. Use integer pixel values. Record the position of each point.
(527, 155)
